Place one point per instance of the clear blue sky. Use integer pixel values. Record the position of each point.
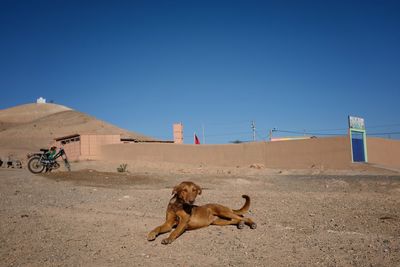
(143, 65)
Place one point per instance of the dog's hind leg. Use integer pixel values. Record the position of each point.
(250, 223)
(223, 222)
(233, 218)
(240, 223)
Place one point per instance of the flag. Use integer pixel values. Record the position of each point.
(196, 140)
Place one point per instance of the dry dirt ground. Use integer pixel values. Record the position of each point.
(91, 218)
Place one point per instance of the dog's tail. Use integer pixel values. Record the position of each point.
(245, 207)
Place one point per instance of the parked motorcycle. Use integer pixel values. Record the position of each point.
(39, 162)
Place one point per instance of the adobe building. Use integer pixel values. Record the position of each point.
(89, 146)
(85, 146)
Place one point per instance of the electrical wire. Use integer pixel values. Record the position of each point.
(308, 133)
(260, 133)
(383, 126)
(383, 133)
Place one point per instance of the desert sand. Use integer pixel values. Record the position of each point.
(100, 218)
(96, 216)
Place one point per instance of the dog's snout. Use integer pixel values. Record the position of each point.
(189, 198)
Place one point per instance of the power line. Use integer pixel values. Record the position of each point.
(258, 134)
(383, 133)
(382, 126)
(228, 134)
(234, 123)
(340, 129)
(308, 133)
(328, 130)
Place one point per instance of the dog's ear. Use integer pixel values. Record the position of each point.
(199, 190)
(176, 189)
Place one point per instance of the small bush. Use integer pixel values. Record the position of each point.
(122, 167)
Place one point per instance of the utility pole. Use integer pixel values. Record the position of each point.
(204, 137)
(253, 127)
(270, 133)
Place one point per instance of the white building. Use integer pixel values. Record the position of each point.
(41, 100)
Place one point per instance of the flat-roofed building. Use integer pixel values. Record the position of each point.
(85, 146)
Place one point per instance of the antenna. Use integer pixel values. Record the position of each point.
(253, 127)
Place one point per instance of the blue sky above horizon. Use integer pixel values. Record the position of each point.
(143, 65)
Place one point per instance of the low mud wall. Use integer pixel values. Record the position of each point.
(327, 153)
(384, 152)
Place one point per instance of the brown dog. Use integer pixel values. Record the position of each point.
(185, 216)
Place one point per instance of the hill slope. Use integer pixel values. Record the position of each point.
(29, 127)
(29, 112)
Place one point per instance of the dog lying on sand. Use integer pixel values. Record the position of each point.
(184, 215)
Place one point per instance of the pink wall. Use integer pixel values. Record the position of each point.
(88, 147)
(384, 152)
(329, 153)
(92, 143)
(72, 148)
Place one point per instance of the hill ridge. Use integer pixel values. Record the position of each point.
(29, 112)
(38, 129)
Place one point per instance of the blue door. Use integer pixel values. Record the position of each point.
(357, 141)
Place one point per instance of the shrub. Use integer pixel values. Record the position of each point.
(122, 167)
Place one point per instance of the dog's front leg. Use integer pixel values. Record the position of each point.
(165, 227)
(183, 221)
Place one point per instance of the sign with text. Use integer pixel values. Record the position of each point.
(356, 123)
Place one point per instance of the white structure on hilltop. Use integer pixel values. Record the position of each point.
(41, 100)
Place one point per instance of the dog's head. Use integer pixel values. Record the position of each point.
(187, 191)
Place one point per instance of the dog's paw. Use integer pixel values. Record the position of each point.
(253, 225)
(166, 241)
(240, 225)
(151, 236)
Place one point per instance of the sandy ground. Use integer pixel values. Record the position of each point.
(93, 218)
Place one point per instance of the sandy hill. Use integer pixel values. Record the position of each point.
(29, 127)
(27, 113)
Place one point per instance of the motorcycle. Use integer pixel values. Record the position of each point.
(39, 162)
